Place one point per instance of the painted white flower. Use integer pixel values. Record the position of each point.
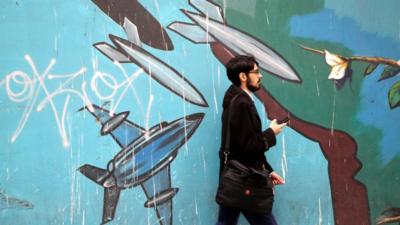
(339, 65)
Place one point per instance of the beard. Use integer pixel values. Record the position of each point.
(251, 87)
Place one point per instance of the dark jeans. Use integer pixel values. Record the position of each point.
(230, 216)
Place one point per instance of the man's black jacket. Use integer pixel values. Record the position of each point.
(248, 142)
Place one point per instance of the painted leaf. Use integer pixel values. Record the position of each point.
(333, 59)
(388, 72)
(370, 68)
(394, 95)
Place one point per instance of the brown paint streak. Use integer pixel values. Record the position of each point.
(349, 196)
(150, 30)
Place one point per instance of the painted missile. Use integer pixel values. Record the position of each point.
(144, 160)
(129, 51)
(211, 27)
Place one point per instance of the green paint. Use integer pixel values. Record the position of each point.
(394, 95)
(389, 72)
(370, 68)
(316, 99)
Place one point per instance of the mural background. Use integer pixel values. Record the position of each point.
(43, 148)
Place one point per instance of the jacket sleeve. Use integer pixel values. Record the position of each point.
(269, 138)
(268, 166)
(246, 133)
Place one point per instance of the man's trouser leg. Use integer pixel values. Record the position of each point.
(260, 219)
(227, 216)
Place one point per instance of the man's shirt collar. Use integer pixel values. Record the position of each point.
(248, 93)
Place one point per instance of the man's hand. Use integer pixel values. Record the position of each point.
(276, 179)
(277, 128)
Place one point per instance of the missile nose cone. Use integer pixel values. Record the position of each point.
(195, 117)
(291, 74)
(294, 77)
(192, 122)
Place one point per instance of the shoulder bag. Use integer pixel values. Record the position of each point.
(243, 187)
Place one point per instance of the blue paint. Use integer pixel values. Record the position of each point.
(380, 17)
(374, 107)
(38, 168)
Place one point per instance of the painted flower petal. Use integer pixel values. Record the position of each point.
(338, 72)
(332, 59)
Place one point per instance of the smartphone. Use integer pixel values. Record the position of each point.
(284, 120)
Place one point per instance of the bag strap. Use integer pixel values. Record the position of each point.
(226, 149)
(248, 171)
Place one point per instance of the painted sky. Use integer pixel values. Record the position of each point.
(380, 17)
(374, 108)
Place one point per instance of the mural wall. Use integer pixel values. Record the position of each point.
(111, 108)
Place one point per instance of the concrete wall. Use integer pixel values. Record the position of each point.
(340, 157)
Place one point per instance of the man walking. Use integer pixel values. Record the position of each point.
(248, 142)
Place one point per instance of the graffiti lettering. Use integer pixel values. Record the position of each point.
(23, 87)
